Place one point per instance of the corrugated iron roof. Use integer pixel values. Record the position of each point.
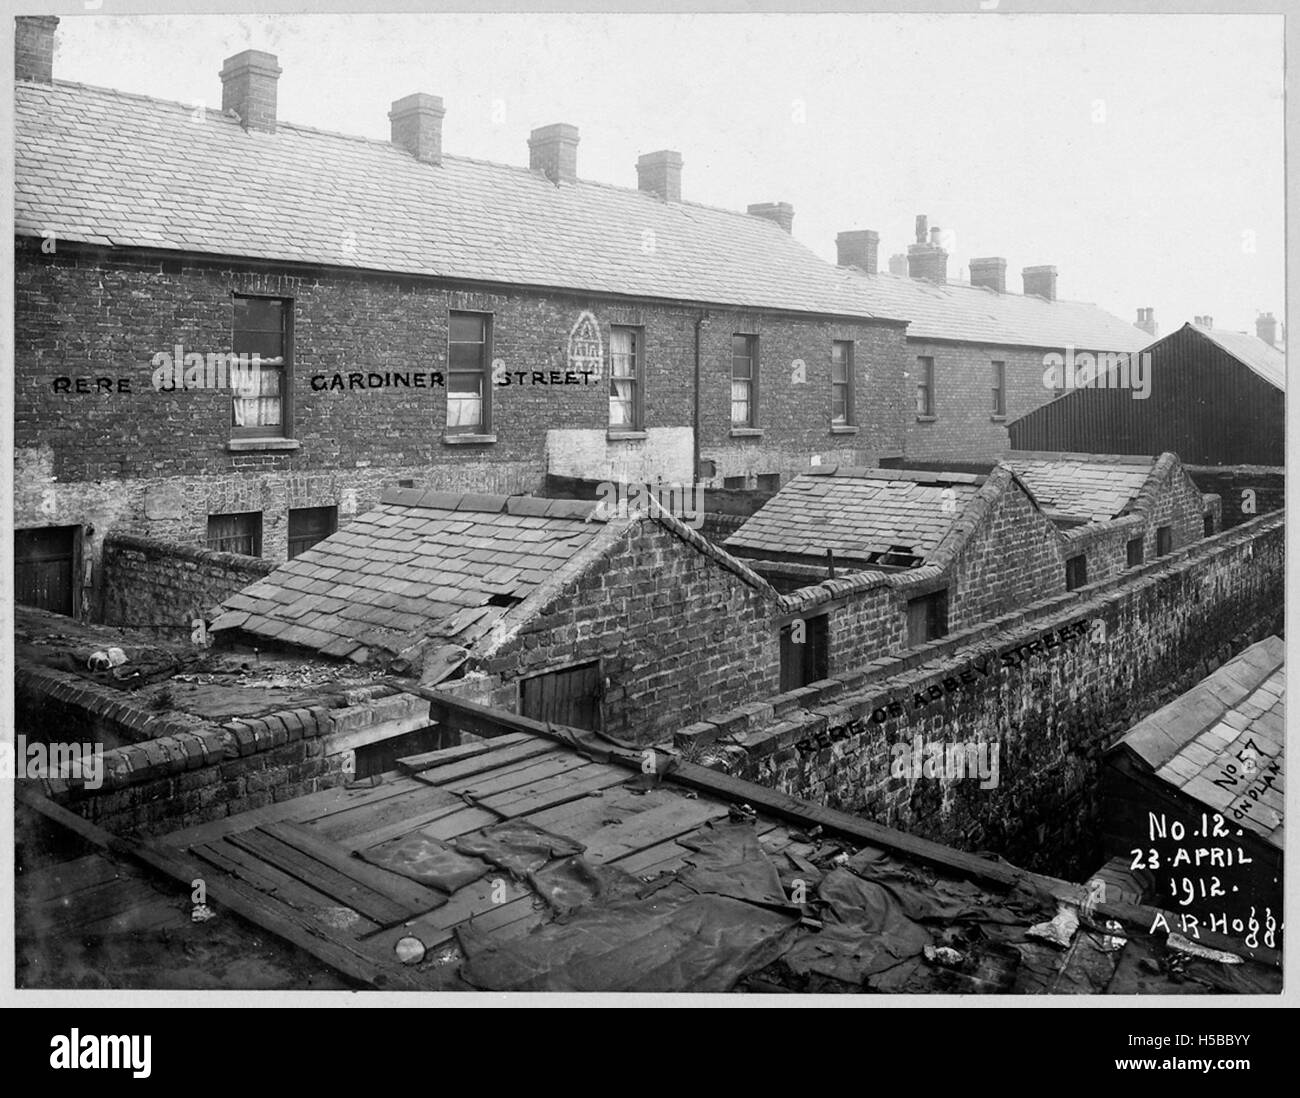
(1236, 718)
(117, 169)
(420, 565)
(1095, 491)
(859, 514)
(1251, 351)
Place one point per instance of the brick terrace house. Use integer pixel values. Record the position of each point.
(419, 317)
(555, 609)
(976, 351)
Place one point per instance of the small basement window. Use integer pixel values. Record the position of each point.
(1076, 572)
(769, 482)
(733, 482)
(308, 525)
(927, 618)
(236, 533)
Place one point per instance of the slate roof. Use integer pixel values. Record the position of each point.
(859, 514)
(959, 311)
(1236, 711)
(117, 169)
(423, 564)
(1095, 491)
(1252, 352)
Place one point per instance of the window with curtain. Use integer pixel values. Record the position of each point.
(467, 358)
(744, 380)
(842, 382)
(925, 386)
(999, 388)
(625, 378)
(260, 396)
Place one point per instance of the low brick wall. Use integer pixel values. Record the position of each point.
(208, 772)
(155, 585)
(1053, 686)
(1230, 482)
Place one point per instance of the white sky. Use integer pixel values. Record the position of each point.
(1142, 155)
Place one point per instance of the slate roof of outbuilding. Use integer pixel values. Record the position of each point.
(1094, 491)
(856, 513)
(112, 168)
(423, 564)
(1191, 741)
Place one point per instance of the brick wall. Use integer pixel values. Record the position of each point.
(150, 584)
(1231, 482)
(964, 427)
(677, 632)
(1052, 706)
(157, 463)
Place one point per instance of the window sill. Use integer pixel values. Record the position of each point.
(242, 445)
(927, 419)
(614, 435)
(844, 429)
(747, 432)
(997, 419)
(468, 440)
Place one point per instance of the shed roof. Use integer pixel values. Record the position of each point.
(1234, 717)
(1251, 351)
(1070, 488)
(421, 565)
(864, 516)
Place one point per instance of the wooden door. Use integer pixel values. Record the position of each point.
(44, 560)
(570, 697)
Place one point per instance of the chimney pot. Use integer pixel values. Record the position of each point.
(921, 233)
(248, 87)
(989, 271)
(858, 248)
(553, 150)
(1266, 328)
(34, 47)
(660, 173)
(416, 123)
(780, 212)
(1040, 281)
(1147, 322)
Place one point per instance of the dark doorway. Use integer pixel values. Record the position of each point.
(805, 653)
(44, 567)
(570, 697)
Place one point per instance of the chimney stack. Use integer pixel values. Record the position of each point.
(1203, 321)
(925, 259)
(858, 248)
(898, 264)
(416, 123)
(990, 272)
(553, 150)
(1147, 322)
(1266, 328)
(248, 82)
(1040, 281)
(34, 47)
(780, 212)
(660, 173)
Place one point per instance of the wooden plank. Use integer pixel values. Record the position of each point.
(460, 823)
(66, 878)
(571, 785)
(343, 826)
(499, 781)
(148, 915)
(414, 764)
(406, 825)
(409, 894)
(343, 888)
(62, 915)
(531, 748)
(665, 821)
(437, 927)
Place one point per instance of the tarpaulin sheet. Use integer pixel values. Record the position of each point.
(575, 882)
(428, 860)
(519, 848)
(687, 933)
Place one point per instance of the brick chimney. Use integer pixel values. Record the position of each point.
(553, 150)
(1266, 328)
(660, 173)
(780, 212)
(34, 47)
(248, 82)
(1203, 321)
(1040, 281)
(416, 122)
(1147, 322)
(898, 264)
(991, 271)
(858, 248)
